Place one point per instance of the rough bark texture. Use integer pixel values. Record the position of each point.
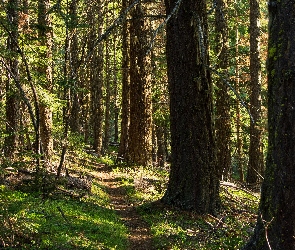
(193, 183)
(45, 71)
(239, 139)
(12, 103)
(96, 75)
(275, 227)
(74, 120)
(122, 152)
(255, 165)
(140, 129)
(222, 123)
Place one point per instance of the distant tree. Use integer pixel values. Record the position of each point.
(107, 118)
(45, 36)
(74, 119)
(12, 98)
(238, 120)
(255, 164)
(95, 71)
(223, 119)
(140, 129)
(276, 218)
(193, 182)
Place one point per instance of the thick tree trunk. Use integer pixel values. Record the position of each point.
(193, 183)
(255, 165)
(275, 227)
(140, 129)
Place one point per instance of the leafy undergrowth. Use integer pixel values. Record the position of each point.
(65, 219)
(77, 219)
(30, 223)
(175, 229)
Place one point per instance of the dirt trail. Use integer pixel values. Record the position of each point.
(139, 231)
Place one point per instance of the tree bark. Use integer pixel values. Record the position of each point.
(222, 124)
(140, 129)
(74, 119)
(107, 117)
(239, 141)
(96, 75)
(12, 103)
(255, 164)
(275, 227)
(193, 183)
(125, 118)
(45, 70)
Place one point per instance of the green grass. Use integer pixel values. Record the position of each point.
(175, 229)
(67, 222)
(59, 222)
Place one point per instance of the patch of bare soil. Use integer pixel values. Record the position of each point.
(139, 231)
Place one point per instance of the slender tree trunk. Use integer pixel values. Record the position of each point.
(222, 124)
(12, 103)
(193, 182)
(116, 109)
(85, 99)
(275, 227)
(108, 96)
(74, 119)
(96, 76)
(115, 88)
(66, 96)
(140, 129)
(45, 70)
(239, 142)
(122, 152)
(255, 164)
(161, 154)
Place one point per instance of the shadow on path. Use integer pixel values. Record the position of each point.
(139, 231)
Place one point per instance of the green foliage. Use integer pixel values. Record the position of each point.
(143, 184)
(49, 99)
(174, 229)
(178, 230)
(59, 223)
(89, 221)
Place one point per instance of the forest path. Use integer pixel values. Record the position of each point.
(139, 231)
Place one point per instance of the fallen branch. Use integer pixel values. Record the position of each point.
(233, 185)
(63, 215)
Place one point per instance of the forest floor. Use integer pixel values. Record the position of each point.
(103, 205)
(139, 237)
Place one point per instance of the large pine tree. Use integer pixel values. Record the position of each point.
(140, 129)
(275, 227)
(193, 182)
(255, 165)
